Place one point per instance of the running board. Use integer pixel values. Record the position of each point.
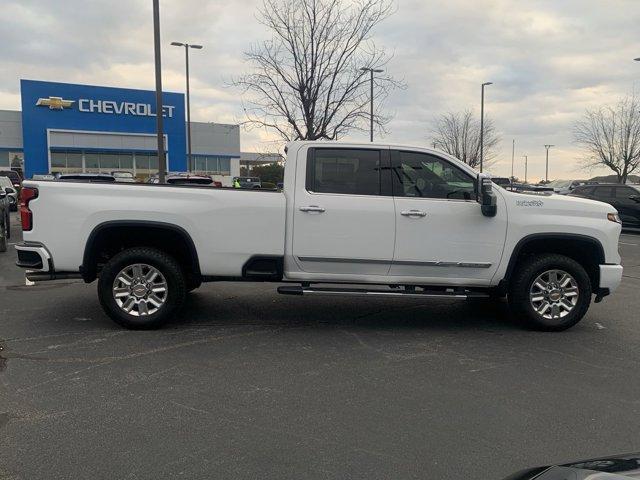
(408, 292)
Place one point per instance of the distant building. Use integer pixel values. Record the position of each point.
(80, 128)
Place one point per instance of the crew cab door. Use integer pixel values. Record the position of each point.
(344, 218)
(441, 234)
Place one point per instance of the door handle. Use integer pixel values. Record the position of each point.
(312, 208)
(413, 213)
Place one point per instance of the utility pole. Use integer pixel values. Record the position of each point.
(513, 156)
(546, 176)
(186, 57)
(526, 164)
(162, 163)
(482, 123)
(371, 71)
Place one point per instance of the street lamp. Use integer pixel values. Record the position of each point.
(162, 165)
(482, 123)
(546, 176)
(372, 71)
(186, 57)
(526, 164)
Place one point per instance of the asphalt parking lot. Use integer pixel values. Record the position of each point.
(249, 384)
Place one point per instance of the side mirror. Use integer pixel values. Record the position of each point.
(635, 198)
(486, 197)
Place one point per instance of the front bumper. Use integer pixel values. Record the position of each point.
(610, 278)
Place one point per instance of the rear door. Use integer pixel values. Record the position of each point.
(441, 234)
(344, 218)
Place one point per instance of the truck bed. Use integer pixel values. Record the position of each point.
(224, 224)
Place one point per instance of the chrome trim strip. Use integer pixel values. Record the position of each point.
(397, 262)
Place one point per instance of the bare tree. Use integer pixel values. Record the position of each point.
(458, 134)
(610, 136)
(307, 81)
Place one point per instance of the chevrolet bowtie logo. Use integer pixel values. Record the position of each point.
(54, 103)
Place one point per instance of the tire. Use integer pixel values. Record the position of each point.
(548, 309)
(124, 304)
(4, 234)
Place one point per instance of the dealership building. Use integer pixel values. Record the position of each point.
(80, 128)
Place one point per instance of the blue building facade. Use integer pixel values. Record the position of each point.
(69, 127)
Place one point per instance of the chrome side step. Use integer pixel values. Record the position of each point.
(417, 292)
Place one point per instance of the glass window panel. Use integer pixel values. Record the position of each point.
(142, 161)
(74, 160)
(92, 161)
(109, 161)
(355, 172)
(422, 175)
(225, 166)
(153, 162)
(200, 164)
(212, 165)
(4, 159)
(58, 160)
(126, 161)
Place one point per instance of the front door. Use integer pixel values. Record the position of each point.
(441, 234)
(343, 222)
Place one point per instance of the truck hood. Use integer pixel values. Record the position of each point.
(560, 204)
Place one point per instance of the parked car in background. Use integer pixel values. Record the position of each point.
(248, 182)
(185, 179)
(5, 225)
(563, 187)
(15, 178)
(123, 177)
(43, 177)
(7, 186)
(625, 199)
(618, 467)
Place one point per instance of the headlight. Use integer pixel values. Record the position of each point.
(613, 217)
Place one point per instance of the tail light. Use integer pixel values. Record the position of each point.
(26, 216)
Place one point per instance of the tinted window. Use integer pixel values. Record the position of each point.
(583, 190)
(355, 172)
(623, 193)
(428, 176)
(602, 192)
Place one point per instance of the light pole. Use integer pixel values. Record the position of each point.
(546, 175)
(186, 59)
(371, 71)
(482, 123)
(526, 164)
(162, 165)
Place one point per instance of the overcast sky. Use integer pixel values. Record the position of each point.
(548, 59)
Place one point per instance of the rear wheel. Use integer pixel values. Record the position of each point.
(550, 292)
(141, 288)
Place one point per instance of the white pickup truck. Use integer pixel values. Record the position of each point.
(353, 219)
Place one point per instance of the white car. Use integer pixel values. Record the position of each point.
(124, 177)
(396, 221)
(7, 186)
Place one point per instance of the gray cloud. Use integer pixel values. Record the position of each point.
(548, 60)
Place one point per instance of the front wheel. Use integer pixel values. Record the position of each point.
(550, 292)
(141, 288)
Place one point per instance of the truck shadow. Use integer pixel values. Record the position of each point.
(270, 309)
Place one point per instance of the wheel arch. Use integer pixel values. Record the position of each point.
(586, 250)
(108, 238)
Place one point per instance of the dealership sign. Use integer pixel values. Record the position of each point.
(109, 107)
